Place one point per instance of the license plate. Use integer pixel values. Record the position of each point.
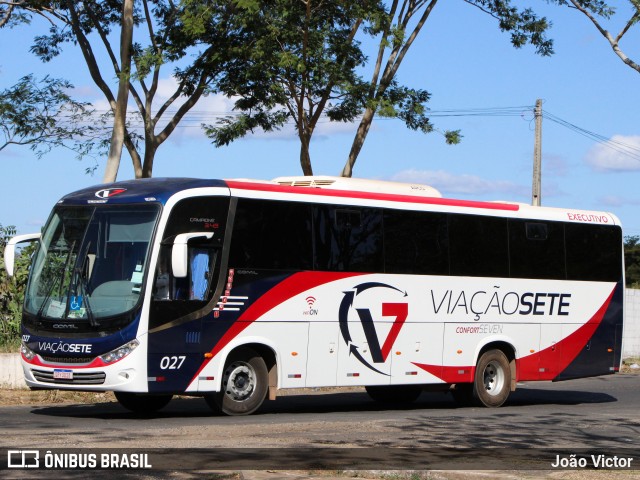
(63, 374)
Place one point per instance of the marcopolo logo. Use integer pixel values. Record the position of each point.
(110, 192)
(397, 310)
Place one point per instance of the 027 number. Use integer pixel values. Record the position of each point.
(172, 363)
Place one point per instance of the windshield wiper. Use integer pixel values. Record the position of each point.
(59, 277)
(85, 296)
(47, 297)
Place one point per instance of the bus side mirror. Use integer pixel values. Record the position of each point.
(10, 250)
(179, 252)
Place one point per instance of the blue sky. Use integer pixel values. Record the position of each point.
(466, 63)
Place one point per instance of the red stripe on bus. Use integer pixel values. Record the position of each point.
(568, 349)
(390, 197)
(288, 288)
(528, 368)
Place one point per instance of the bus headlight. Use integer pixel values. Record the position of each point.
(120, 352)
(27, 352)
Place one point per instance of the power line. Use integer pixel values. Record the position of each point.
(195, 118)
(629, 150)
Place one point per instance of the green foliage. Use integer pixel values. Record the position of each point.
(302, 64)
(452, 137)
(42, 115)
(632, 261)
(12, 291)
(524, 25)
(197, 39)
(283, 60)
(599, 7)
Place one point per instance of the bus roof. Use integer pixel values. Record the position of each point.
(331, 189)
(140, 190)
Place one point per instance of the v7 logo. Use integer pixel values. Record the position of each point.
(400, 312)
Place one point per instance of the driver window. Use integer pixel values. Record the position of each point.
(200, 267)
(199, 280)
(175, 297)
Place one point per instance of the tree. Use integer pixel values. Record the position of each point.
(304, 68)
(12, 290)
(307, 58)
(15, 12)
(397, 32)
(593, 9)
(120, 113)
(284, 59)
(632, 260)
(42, 115)
(165, 34)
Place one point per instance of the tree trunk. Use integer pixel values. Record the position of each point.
(120, 114)
(150, 148)
(358, 142)
(305, 157)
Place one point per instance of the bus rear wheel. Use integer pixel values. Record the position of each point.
(245, 383)
(143, 402)
(492, 384)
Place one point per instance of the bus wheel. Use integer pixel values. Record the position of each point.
(394, 394)
(142, 403)
(492, 384)
(245, 382)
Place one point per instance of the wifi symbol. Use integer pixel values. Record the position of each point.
(311, 301)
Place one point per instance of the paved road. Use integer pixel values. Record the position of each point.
(599, 414)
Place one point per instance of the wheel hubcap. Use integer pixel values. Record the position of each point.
(494, 378)
(240, 381)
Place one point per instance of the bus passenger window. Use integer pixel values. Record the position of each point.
(348, 239)
(416, 243)
(478, 246)
(536, 249)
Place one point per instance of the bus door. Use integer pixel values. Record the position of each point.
(419, 343)
(184, 292)
(550, 358)
(361, 361)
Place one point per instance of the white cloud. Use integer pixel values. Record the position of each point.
(212, 108)
(617, 201)
(461, 184)
(620, 154)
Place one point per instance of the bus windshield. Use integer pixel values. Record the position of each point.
(91, 262)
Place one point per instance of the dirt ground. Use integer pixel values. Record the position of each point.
(10, 397)
(50, 397)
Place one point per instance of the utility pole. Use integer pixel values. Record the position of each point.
(536, 189)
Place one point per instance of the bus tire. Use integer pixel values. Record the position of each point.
(142, 403)
(245, 383)
(492, 384)
(393, 393)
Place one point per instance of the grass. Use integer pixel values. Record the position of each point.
(10, 346)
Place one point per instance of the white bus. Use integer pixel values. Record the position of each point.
(234, 289)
